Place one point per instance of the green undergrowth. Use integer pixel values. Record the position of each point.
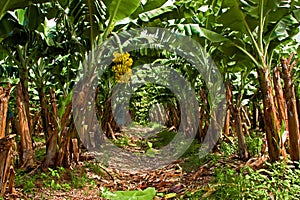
(58, 179)
(162, 139)
(275, 181)
(155, 142)
(192, 157)
(40, 147)
(254, 143)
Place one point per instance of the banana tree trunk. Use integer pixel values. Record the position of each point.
(293, 123)
(281, 107)
(22, 125)
(205, 115)
(173, 119)
(271, 122)
(24, 83)
(52, 132)
(281, 104)
(7, 178)
(68, 145)
(109, 125)
(236, 111)
(239, 130)
(6, 146)
(44, 111)
(24, 79)
(245, 116)
(298, 106)
(254, 115)
(228, 106)
(4, 97)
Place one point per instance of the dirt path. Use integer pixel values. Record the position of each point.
(172, 178)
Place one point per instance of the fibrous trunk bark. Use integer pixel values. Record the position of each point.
(24, 79)
(254, 115)
(7, 177)
(239, 130)
(293, 123)
(228, 109)
(22, 125)
(298, 106)
(204, 115)
(68, 145)
(271, 122)
(7, 172)
(52, 133)
(281, 107)
(4, 97)
(281, 104)
(236, 111)
(245, 116)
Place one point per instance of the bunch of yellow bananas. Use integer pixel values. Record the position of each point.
(122, 67)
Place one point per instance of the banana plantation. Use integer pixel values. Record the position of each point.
(149, 99)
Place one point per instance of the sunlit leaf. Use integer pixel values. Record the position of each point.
(6, 5)
(147, 194)
(148, 5)
(124, 8)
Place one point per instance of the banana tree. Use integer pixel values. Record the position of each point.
(26, 40)
(89, 23)
(250, 33)
(120, 15)
(80, 25)
(252, 30)
(20, 43)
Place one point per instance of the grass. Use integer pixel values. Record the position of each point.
(55, 179)
(274, 181)
(162, 139)
(40, 154)
(94, 167)
(40, 151)
(25, 181)
(191, 158)
(122, 141)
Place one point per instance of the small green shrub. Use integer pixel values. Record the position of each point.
(40, 154)
(228, 149)
(25, 181)
(52, 179)
(94, 167)
(254, 143)
(162, 139)
(122, 142)
(79, 180)
(276, 181)
(29, 185)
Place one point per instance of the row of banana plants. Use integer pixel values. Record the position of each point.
(44, 44)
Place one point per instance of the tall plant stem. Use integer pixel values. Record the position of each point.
(111, 19)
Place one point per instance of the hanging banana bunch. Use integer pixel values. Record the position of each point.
(122, 67)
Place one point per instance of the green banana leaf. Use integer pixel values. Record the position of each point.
(147, 194)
